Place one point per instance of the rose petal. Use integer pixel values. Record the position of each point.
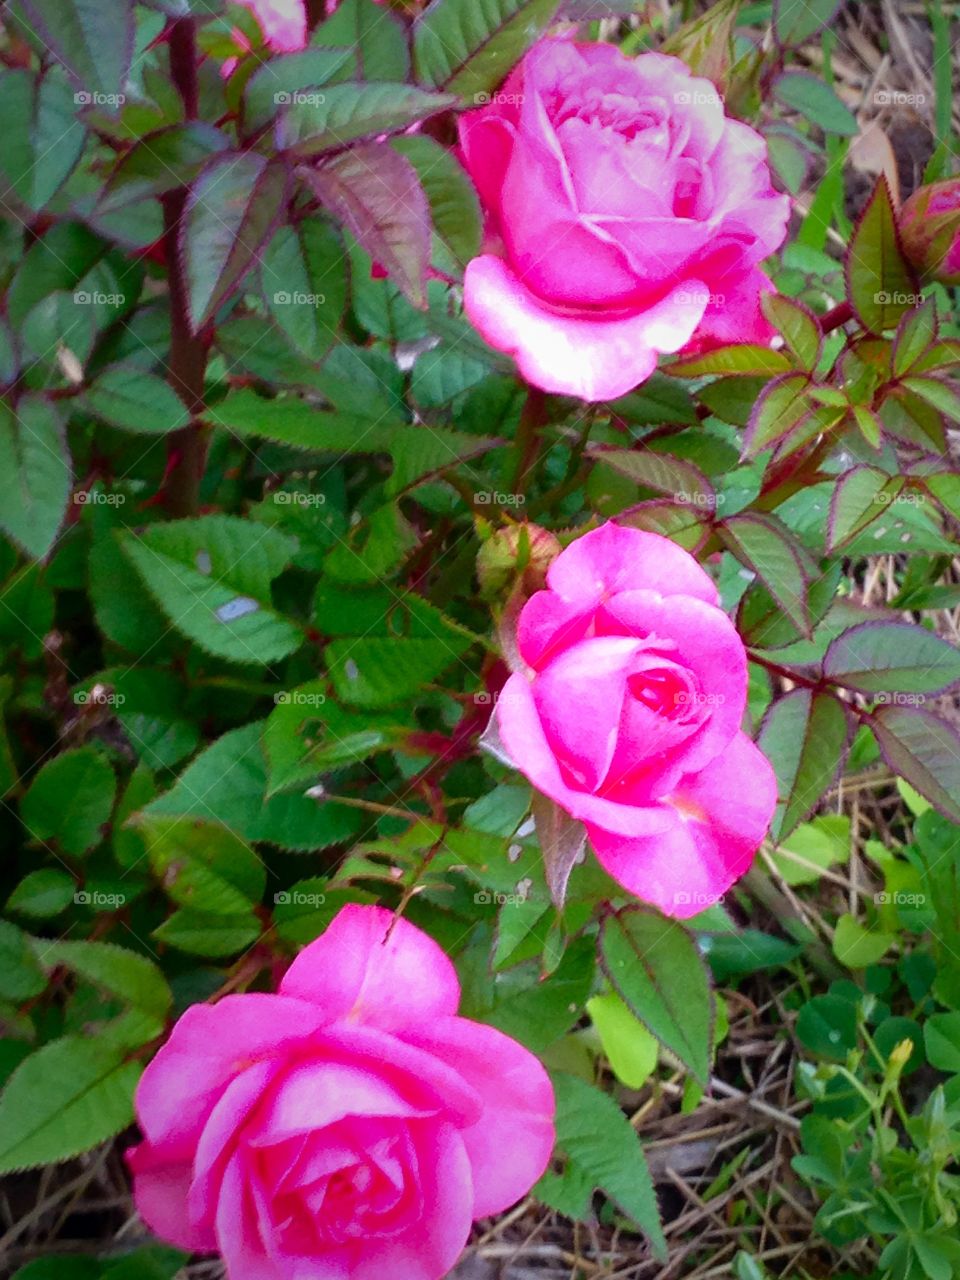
(160, 1190)
(576, 355)
(510, 1145)
(719, 818)
(209, 1046)
(526, 743)
(614, 558)
(369, 967)
(579, 698)
(734, 314)
(704, 640)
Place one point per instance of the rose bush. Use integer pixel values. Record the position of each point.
(351, 1125)
(627, 216)
(629, 717)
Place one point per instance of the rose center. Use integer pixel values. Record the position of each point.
(665, 692)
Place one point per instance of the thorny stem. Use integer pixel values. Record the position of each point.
(532, 418)
(186, 368)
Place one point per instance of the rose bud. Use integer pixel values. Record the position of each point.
(521, 551)
(930, 231)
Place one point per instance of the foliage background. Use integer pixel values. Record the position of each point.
(247, 658)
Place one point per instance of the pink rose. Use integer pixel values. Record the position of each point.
(628, 215)
(283, 23)
(629, 717)
(350, 1127)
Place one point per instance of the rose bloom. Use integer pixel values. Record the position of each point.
(627, 217)
(629, 717)
(350, 1127)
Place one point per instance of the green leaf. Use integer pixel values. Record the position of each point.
(915, 334)
(764, 545)
(65, 1098)
(211, 576)
(454, 206)
(70, 800)
(816, 101)
(308, 734)
(41, 894)
(116, 970)
(784, 403)
(741, 358)
(370, 672)
(937, 392)
(630, 1048)
(227, 784)
(827, 1025)
(161, 162)
(304, 278)
(135, 400)
(275, 84)
(231, 210)
(468, 46)
(924, 750)
(44, 137)
(798, 326)
(941, 1038)
(94, 40)
(805, 736)
(314, 123)
(812, 848)
(679, 479)
(375, 192)
(856, 946)
(655, 966)
(861, 496)
(376, 38)
(21, 976)
(203, 865)
(879, 285)
(207, 934)
(36, 465)
(795, 21)
(599, 1139)
(880, 657)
